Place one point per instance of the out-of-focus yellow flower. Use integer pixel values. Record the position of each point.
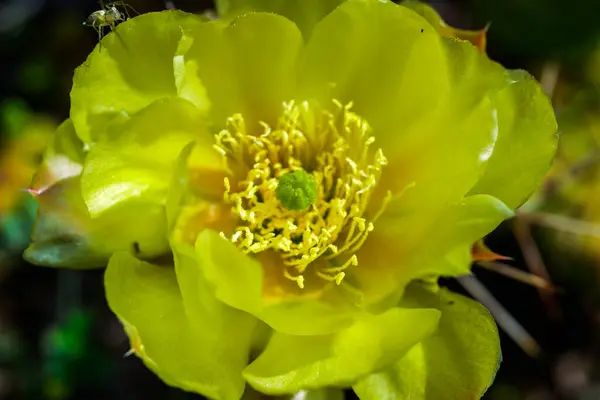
(20, 153)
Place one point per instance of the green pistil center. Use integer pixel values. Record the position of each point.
(296, 190)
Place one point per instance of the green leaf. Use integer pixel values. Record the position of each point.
(293, 363)
(247, 67)
(458, 362)
(527, 141)
(133, 69)
(182, 333)
(305, 14)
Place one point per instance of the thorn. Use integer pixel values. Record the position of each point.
(535, 263)
(503, 318)
(480, 252)
(550, 77)
(518, 275)
(34, 192)
(562, 223)
(130, 352)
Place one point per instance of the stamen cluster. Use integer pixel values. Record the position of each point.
(335, 150)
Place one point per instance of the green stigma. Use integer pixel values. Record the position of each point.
(296, 190)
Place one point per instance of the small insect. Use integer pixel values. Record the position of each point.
(108, 16)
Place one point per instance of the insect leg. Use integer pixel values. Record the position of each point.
(126, 7)
(126, 12)
(99, 30)
(113, 27)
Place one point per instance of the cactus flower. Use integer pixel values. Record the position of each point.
(276, 193)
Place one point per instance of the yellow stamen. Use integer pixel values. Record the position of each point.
(333, 150)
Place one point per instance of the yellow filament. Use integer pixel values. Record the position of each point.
(334, 148)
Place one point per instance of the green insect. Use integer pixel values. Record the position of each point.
(108, 16)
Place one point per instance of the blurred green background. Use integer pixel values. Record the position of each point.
(58, 340)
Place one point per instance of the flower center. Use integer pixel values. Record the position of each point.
(302, 189)
(296, 190)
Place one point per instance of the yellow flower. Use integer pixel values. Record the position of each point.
(270, 191)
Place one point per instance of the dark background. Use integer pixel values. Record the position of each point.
(58, 340)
